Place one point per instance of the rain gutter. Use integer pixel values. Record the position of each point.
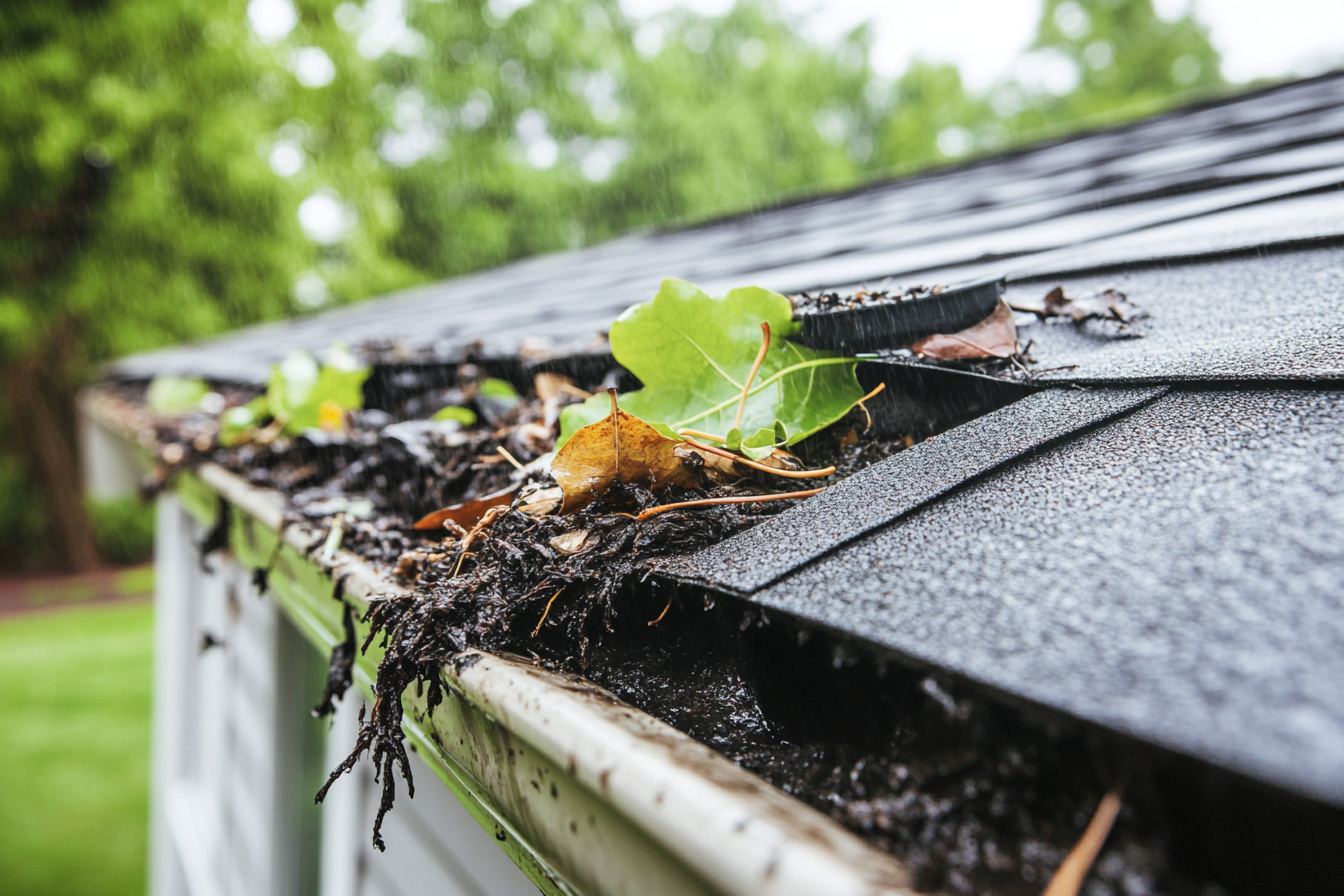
(585, 793)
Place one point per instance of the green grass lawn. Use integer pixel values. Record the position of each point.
(74, 751)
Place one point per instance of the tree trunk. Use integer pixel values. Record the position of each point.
(43, 426)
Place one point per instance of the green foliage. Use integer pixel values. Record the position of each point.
(465, 416)
(175, 394)
(499, 390)
(299, 389)
(74, 750)
(123, 529)
(694, 353)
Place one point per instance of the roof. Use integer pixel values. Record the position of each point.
(1153, 539)
(1234, 175)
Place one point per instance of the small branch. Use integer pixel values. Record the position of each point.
(504, 452)
(664, 613)
(746, 389)
(1068, 878)
(744, 499)
(756, 465)
(546, 612)
(485, 522)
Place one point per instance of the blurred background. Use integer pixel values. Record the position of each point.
(170, 169)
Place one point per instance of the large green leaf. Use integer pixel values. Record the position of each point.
(694, 352)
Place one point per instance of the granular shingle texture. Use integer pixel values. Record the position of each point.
(898, 485)
(1174, 574)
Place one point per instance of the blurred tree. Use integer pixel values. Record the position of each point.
(173, 168)
(563, 125)
(1126, 61)
(138, 207)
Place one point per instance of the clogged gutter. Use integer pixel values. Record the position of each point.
(555, 562)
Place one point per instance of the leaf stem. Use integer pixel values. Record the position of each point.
(756, 465)
(760, 356)
(707, 436)
(741, 499)
(768, 381)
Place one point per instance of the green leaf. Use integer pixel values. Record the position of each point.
(298, 388)
(236, 423)
(176, 394)
(500, 390)
(694, 352)
(465, 416)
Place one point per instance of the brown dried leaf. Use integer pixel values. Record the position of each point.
(542, 501)
(468, 513)
(1109, 304)
(617, 448)
(993, 337)
(571, 542)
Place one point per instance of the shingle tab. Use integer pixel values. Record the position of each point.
(900, 484)
(1173, 574)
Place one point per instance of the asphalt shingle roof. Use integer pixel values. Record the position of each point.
(1161, 553)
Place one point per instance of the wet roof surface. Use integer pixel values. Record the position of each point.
(1259, 170)
(1168, 565)
(1173, 574)
(894, 487)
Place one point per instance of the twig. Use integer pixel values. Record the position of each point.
(864, 408)
(664, 613)
(486, 519)
(742, 499)
(760, 356)
(1068, 878)
(546, 612)
(756, 465)
(707, 436)
(510, 458)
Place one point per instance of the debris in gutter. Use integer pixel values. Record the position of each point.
(523, 572)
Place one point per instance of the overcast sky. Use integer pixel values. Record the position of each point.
(1258, 38)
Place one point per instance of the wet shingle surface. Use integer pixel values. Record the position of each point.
(898, 485)
(1174, 574)
(1256, 318)
(1233, 175)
